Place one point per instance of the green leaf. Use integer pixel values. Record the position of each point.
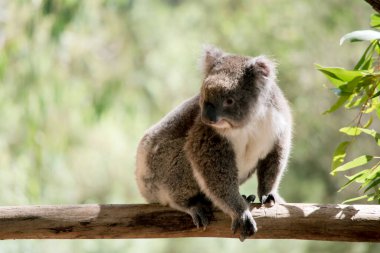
(371, 197)
(359, 174)
(372, 106)
(373, 184)
(366, 59)
(355, 101)
(356, 82)
(360, 36)
(372, 133)
(339, 76)
(355, 131)
(358, 177)
(375, 20)
(340, 92)
(355, 199)
(376, 95)
(351, 131)
(359, 161)
(338, 104)
(369, 122)
(339, 155)
(377, 47)
(349, 87)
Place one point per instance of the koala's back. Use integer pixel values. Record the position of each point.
(162, 165)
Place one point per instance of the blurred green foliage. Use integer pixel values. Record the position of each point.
(80, 81)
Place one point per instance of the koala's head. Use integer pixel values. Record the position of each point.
(234, 87)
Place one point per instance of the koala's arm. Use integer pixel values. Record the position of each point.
(270, 170)
(213, 164)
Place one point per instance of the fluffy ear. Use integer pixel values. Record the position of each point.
(263, 65)
(210, 55)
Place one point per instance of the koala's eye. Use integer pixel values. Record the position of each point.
(228, 102)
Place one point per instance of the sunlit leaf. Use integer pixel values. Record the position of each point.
(354, 83)
(355, 199)
(351, 131)
(355, 131)
(360, 36)
(355, 100)
(352, 86)
(372, 133)
(377, 47)
(368, 123)
(375, 20)
(374, 183)
(359, 161)
(365, 60)
(376, 94)
(370, 108)
(354, 178)
(339, 103)
(339, 154)
(339, 76)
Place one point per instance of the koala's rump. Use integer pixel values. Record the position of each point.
(167, 177)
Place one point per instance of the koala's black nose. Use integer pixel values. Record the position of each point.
(209, 112)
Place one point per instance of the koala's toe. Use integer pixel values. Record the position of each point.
(247, 230)
(268, 199)
(250, 199)
(246, 224)
(201, 216)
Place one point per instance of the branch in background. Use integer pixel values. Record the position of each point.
(375, 4)
(289, 221)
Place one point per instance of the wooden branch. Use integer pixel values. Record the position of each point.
(290, 221)
(375, 4)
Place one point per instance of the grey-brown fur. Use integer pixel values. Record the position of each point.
(201, 152)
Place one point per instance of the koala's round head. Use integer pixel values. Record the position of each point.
(234, 87)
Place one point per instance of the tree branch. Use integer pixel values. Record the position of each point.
(290, 221)
(375, 4)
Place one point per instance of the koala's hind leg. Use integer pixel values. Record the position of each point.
(176, 183)
(200, 210)
(194, 203)
(198, 206)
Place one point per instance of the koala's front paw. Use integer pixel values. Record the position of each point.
(250, 199)
(246, 224)
(271, 199)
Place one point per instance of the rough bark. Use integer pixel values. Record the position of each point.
(290, 221)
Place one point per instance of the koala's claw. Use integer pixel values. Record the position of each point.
(268, 199)
(200, 217)
(246, 224)
(250, 199)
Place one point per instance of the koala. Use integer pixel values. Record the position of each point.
(196, 157)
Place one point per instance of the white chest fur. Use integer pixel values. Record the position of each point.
(255, 141)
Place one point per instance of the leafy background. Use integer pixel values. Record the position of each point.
(80, 81)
